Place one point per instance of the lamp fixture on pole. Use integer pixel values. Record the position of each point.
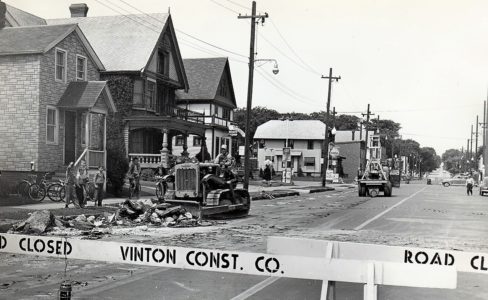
(275, 67)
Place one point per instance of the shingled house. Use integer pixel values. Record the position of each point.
(53, 102)
(211, 93)
(144, 68)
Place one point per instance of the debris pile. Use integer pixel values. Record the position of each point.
(130, 213)
(159, 214)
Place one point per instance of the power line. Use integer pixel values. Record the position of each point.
(292, 50)
(238, 4)
(281, 89)
(182, 32)
(223, 6)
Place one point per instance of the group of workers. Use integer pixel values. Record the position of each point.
(76, 185)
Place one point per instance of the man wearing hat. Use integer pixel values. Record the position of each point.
(226, 162)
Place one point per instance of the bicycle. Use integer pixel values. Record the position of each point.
(134, 187)
(37, 191)
(24, 185)
(56, 191)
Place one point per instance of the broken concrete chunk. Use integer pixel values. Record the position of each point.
(38, 222)
(171, 211)
(188, 215)
(81, 218)
(90, 219)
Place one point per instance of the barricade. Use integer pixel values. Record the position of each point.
(461, 261)
(315, 267)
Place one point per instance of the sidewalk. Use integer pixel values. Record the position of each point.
(257, 191)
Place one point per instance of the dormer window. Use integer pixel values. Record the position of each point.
(60, 63)
(163, 62)
(80, 68)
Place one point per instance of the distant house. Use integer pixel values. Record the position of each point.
(211, 93)
(53, 104)
(304, 137)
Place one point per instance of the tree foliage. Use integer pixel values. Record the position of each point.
(452, 160)
(259, 115)
(430, 160)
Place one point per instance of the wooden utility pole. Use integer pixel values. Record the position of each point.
(334, 113)
(471, 145)
(325, 148)
(253, 18)
(476, 144)
(366, 126)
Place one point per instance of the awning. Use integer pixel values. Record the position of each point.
(85, 94)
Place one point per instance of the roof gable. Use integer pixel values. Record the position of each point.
(40, 39)
(167, 42)
(205, 75)
(297, 130)
(16, 17)
(123, 42)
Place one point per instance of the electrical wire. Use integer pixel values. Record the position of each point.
(293, 51)
(182, 32)
(225, 7)
(238, 4)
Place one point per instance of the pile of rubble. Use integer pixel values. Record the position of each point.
(130, 213)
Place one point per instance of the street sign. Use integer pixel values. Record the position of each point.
(334, 152)
(286, 154)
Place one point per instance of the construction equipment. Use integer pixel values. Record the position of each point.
(375, 178)
(205, 190)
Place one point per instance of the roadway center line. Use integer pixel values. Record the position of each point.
(258, 287)
(387, 210)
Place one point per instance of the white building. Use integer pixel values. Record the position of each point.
(304, 137)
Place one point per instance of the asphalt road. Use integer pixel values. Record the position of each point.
(417, 216)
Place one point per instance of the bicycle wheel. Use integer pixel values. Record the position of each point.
(23, 189)
(54, 192)
(36, 192)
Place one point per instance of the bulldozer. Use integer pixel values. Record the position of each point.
(375, 178)
(206, 190)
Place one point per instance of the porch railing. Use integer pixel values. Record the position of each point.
(214, 120)
(147, 160)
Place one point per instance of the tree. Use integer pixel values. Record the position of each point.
(430, 160)
(453, 160)
(259, 115)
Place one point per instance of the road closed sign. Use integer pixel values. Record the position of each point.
(471, 262)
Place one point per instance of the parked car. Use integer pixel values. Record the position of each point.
(455, 180)
(484, 187)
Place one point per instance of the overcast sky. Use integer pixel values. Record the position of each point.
(423, 64)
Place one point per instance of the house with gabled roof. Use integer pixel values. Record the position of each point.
(54, 105)
(211, 93)
(144, 68)
(13, 17)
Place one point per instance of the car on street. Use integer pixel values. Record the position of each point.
(455, 180)
(484, 187)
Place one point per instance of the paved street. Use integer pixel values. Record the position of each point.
(418, 216)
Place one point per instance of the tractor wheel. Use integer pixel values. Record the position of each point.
(362, 190)
(446, 184)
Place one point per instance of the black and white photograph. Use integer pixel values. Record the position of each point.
(244, 149)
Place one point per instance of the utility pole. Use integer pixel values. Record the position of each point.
(378, 125)
(476, 144)
(366, 126)
(325, 148)
(471, 145)
(334, 113)
(253, 18)
(467, 156)
(485, 132)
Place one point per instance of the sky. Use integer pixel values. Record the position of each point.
(423, 64)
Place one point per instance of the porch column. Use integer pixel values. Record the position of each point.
(185, 145)
(126, 137)
(164, 150)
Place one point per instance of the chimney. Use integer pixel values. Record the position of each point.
(3, 13)
(78, 10)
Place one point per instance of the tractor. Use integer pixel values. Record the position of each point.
(205, 190)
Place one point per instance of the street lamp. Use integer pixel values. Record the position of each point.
(275, 67)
